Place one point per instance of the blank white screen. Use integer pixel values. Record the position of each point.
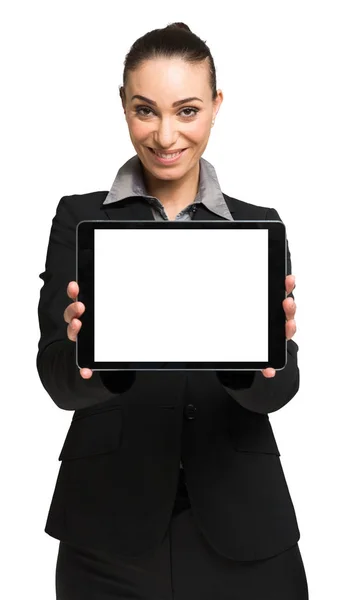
(173, 295)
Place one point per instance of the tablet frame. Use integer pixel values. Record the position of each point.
(277, 271)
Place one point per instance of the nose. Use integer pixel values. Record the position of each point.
(165, 133)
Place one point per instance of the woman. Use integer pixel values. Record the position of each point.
(170, 483)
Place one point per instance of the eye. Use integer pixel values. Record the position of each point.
(191, 109)
(140, 108)
(139, 111)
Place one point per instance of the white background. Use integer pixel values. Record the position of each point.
(275, 143)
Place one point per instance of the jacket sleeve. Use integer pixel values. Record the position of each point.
(56, 358)
(265, 394)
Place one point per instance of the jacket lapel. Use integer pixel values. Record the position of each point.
(132, 208)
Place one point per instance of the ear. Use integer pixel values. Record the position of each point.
(123, 99)
(217, 102)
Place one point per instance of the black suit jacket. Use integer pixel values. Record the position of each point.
(120, 460)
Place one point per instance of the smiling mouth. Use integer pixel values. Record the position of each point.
(167, 155)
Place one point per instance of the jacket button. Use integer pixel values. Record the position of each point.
(190, 411)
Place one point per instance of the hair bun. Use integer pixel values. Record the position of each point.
(178, 26)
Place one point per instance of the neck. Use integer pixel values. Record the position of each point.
(174, 194)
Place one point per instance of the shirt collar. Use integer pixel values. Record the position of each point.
(129, 182)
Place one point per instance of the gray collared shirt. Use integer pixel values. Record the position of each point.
(129, 181)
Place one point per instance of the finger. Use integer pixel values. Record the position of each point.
(269, 372)
(73, 311)
(73, 329)
(85, 373)
(72, 290)
(290, 283)
(289, 306)
(290, 329)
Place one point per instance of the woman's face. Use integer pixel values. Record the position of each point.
(175, 114)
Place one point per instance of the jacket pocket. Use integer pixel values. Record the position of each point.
(97, 433)
(253, 433)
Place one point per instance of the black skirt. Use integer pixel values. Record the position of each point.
(184, 567)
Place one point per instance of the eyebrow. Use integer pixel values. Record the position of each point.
(177, 103)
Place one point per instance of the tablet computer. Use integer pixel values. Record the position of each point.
(178, 295)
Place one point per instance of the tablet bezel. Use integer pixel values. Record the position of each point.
(277, 270)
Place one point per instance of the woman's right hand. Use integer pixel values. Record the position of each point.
(71, 314)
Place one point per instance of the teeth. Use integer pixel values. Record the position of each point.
(167, 155)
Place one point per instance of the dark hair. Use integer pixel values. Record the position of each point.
(174, 40)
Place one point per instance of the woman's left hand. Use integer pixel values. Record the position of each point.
(289, 306)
